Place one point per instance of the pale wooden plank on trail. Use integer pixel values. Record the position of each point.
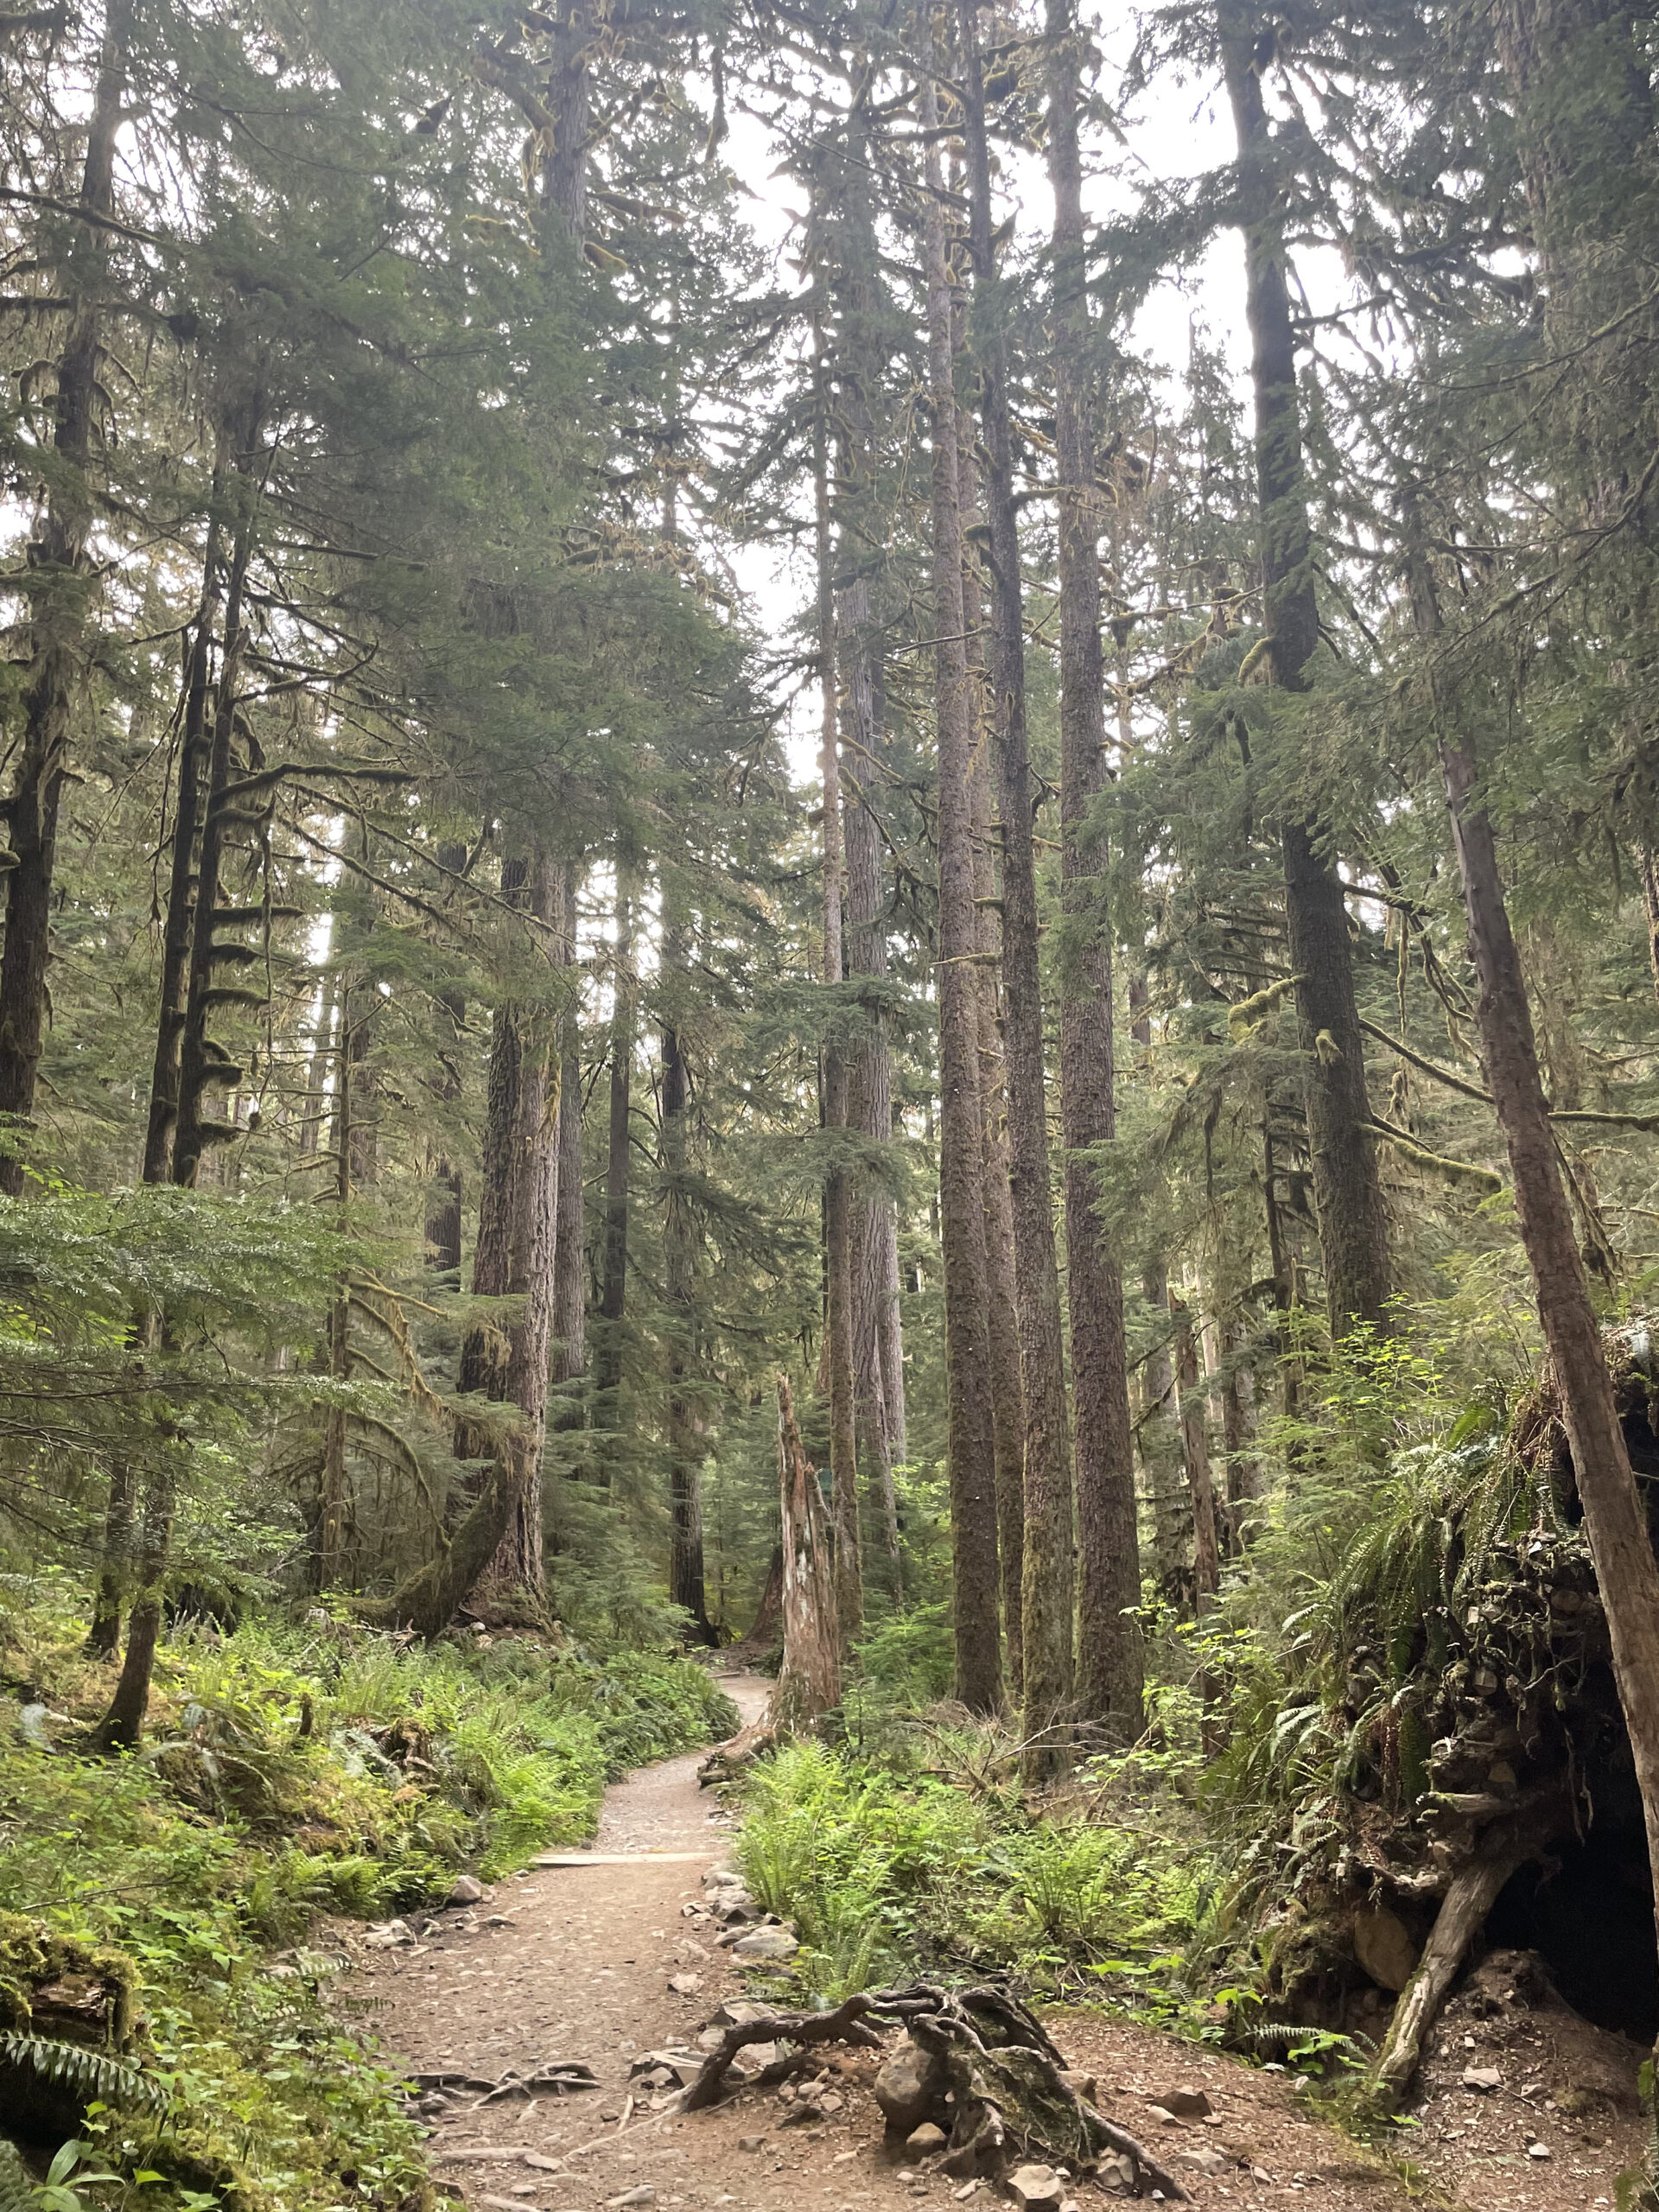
(621, 1858)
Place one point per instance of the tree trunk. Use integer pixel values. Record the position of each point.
(837, 1197)
(570, 1263)
(1109, 1639)
(967, 1398)
(194, 745)
(353, 1164)
(123, 1725)
(878, 1345)
(1347, 1193)
(1238, 1435)
(1614, 1518)
(613, 1272)
(1195, 1450)
(104, 1634)
(204, 1066)
(808, 1680)
(1049, 1570)
(681, 1240)
(499, 1536)
(1008, 1394)
(1162, 1454)
(444, 1190)
(57, 585)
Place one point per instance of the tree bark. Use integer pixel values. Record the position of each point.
(499, 1538)
(1347, 1191)
(204, 1066)
(808, 1680)
(1002, 1318)
(837, 1196)
(103, 1634)
(122, 1728)
(1162, 1452)
(1109, 1639)
(681, 1240)
(1238, 1434)
(570, 1262)
(877, 1343)
(1195, 1449)
(1615, 1520)
(444, 1190)
(57, 585)
(1049, 1578)
(194, 744)
(608, 1362)
(967, 1399)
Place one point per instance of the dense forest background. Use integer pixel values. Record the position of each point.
(1017, 784)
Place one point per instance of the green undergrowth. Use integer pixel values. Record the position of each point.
(288, 1774)
(913, 1851)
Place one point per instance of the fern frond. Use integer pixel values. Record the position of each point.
(16, 2187)
(89, 2073)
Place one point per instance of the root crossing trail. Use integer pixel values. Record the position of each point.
(577, 1962)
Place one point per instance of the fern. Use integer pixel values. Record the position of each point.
(17, 2186)
(89, 2073)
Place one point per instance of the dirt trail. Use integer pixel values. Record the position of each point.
(574, 1962)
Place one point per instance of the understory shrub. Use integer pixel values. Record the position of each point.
(888, 1869)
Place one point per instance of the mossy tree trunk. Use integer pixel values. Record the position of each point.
(962, 1221)
(1049, 1574)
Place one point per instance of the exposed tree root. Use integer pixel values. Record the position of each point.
(1473, 1891)
(1000, 2078)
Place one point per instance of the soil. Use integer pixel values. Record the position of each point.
(1565, 2086)
(574, 1962)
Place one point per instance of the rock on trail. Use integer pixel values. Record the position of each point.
(611, 1960)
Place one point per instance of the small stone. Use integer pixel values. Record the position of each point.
(831, 2100)
(1080, 2084)
(1537, 2150)
(1163, 2116)
(1186, 2103)
(644, 2194)
(738, 2012)
(1036, 2185)
(908, 2088)
(1385, 1947)
(967, 2189)
(1203, 2161)
(922, 2142)
(466, 1889)
(1483, 2078)
(544, 2165)
(771, 1942)
(750, 2142)
(502, 2203)
(685, 1985)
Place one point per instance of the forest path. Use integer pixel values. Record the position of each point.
(573, 1961)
